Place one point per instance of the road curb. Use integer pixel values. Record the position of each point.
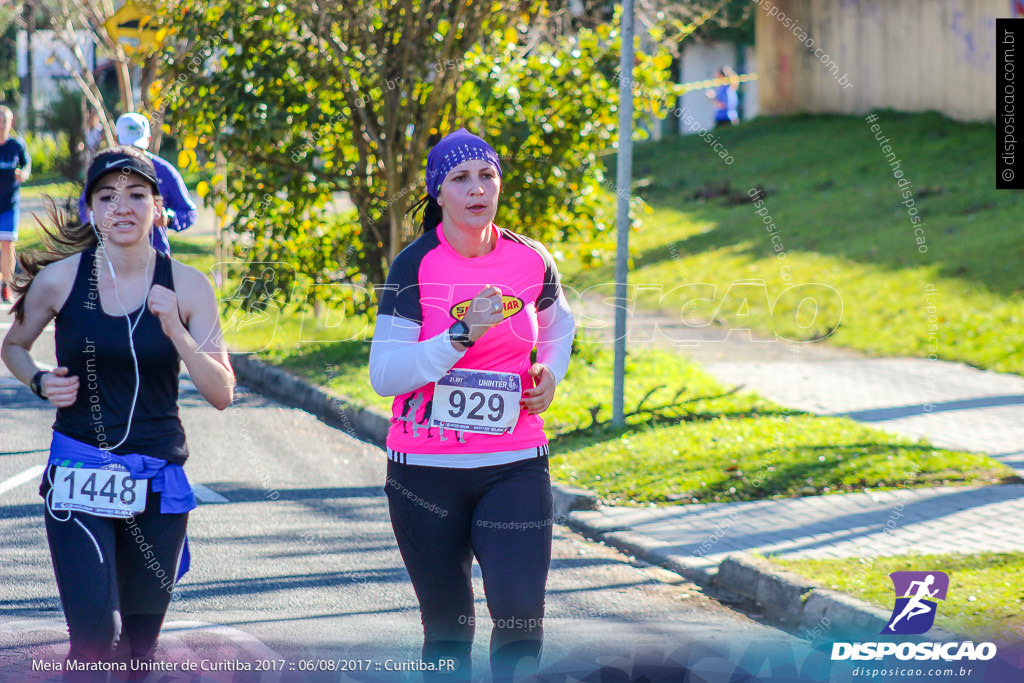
(785, 597)
(356, 420)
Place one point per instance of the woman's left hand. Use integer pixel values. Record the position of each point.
(163, 303)
(538, 399)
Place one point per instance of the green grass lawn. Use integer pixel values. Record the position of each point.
(986, 590)
(688, 438)
(331, 351)
(51, 187)
(836, 212)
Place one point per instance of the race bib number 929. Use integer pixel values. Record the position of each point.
(477, 401)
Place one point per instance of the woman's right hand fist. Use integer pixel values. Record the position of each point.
(59, 389)
(484, 312)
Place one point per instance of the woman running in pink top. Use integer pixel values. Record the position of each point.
(464, 307)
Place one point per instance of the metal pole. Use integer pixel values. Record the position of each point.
(623, 185)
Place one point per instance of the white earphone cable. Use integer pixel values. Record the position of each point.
(49, 497)
(131, 333)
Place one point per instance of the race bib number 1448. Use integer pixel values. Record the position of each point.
(477, 401)
(106, 492)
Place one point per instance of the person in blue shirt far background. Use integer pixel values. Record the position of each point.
(725, 98)
(133, 129)
(15, 167)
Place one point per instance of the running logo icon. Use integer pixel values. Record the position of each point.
(916, 595)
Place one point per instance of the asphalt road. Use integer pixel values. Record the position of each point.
(294, 563)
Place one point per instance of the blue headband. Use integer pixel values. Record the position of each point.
(451, 151)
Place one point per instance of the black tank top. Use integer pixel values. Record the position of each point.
(94, 346)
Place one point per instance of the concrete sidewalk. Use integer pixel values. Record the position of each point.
(929, 521)
(952, 405)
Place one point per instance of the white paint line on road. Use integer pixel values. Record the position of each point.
(23, 478)
(203, 493)
(208, 495)
(16, 627)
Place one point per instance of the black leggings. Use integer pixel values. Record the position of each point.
(115, 578)
(442, 517)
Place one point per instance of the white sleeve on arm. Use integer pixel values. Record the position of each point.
(399, 362)
(557, 329)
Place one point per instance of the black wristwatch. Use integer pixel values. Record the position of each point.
(459, 333)
(37, 384)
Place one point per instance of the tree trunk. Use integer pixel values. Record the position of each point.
(124, 84)
(395, 233)
(146, 79)
(30, 80)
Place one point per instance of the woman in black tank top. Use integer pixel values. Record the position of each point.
(87, 337)
(125, 318)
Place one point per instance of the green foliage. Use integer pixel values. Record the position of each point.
(353, 98)
(10, 85)
(730, 21)
(340, 107)
(49, 152)
(228, 98)
(63, 116)
(550, 111)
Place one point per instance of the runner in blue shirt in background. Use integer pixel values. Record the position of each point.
(133, 130)
(726, 98)
(15, 167)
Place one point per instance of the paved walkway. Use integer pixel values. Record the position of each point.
(927, 521)
(950, 404)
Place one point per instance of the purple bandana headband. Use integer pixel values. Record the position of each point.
(451, 151)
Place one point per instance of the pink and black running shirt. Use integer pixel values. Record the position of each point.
(430, 285)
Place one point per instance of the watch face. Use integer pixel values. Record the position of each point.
(460, 333)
